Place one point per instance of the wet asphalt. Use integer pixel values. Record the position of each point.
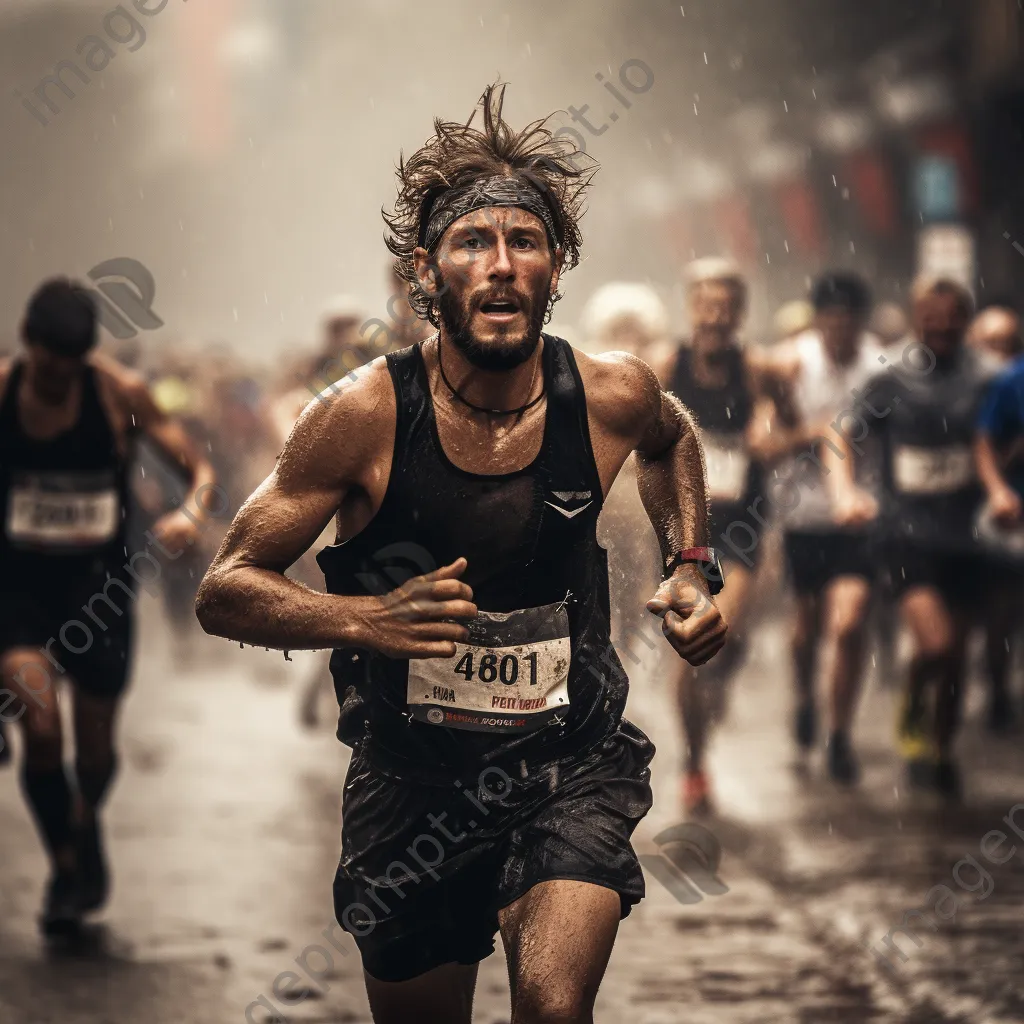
(223, 831)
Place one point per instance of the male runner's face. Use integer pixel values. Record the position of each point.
(840, 330)
(497, 273)
(716, 311)
(940, 321)
(52, 375)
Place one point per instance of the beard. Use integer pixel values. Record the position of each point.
(506, 354)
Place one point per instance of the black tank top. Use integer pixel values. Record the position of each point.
(538, 678)
(63, 498)
(723, 414)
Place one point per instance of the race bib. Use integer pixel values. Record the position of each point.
(728, 466)
(62, 510)
(930, 471)
(512, 675)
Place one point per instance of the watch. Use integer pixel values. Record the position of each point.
(706, 559)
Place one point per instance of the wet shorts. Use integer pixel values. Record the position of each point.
(92, 649)
(425, 868)
(960, 577)
(813, 560)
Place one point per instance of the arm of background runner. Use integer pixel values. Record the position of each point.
(336, 462)
(998, 418)
(851, 505)
(775, 428)
(169, 436)
(627, 401)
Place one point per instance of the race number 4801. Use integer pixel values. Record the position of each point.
(493, 667)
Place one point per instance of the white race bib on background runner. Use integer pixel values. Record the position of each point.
(512, 676)
(728, 465)
(932, 471)
(62, 510)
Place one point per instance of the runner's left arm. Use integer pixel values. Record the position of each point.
(170, 437)
(673, 487)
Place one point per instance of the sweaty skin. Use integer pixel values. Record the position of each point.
(337, 462)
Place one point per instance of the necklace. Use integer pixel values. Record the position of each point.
(480, 408)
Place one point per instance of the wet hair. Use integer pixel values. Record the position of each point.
(460, 154)
(935, 284)
(843, 290)
(61, 317)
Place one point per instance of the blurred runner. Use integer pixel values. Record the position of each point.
(995, 333)
(482, 457)
(67, 420)
(925, 409)
(999, 454)
(830, 565)
(710, 375)
(627, 317)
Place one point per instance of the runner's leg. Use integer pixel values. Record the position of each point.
(27, 673)
(95, 766)
(932, 630)
(702, 693)
(558, 939)
(1004, 610)
(847, 601)
(805, 641)
(443, 994)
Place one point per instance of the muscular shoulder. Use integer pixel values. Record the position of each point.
(623, 392)
(346, 431)
(124, 386)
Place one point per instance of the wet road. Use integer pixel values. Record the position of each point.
(223, 829)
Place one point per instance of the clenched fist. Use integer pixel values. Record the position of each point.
(691, 622)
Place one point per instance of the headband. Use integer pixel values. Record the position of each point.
(438, 216)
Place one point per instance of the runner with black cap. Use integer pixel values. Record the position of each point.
(813, 379)
(494, 783)
(67, 418)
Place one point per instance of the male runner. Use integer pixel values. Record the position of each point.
(999, 455)
(829, 563)
(67, 415)
(995, 331)
(925, 409)
(712, 376)
(489, 710)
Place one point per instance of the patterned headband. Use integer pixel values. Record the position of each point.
(499, 190)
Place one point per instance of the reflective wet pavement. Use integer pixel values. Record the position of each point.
(223, 830)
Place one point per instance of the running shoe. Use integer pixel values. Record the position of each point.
(94, 879)
(61, 913)
(915, 744)
(696, 794)
(842, 764)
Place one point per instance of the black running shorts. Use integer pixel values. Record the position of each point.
(76, 622)
(960, 577)
(425, 868)
(814, 559)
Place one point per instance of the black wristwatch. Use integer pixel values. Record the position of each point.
(706, 559)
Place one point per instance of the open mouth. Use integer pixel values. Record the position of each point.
(500, 309)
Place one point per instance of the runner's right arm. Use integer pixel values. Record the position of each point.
(336, 462)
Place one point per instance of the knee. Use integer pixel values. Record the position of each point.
(545, 1005)
(848, 627)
